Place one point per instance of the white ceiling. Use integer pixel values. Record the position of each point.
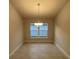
(48, 8)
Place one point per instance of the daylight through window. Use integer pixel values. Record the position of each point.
(39, 31)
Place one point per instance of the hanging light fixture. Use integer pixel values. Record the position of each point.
(38, 23)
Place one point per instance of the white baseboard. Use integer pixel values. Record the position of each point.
(62, 50)
(15, 49)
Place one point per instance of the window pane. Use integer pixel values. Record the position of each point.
(43, 33)
(34, 33)
(33, 27)
(43, 27)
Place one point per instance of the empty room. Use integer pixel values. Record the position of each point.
(39, 29)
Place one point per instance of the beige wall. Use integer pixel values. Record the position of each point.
(15, 28)
(27, 37)
(62, 28)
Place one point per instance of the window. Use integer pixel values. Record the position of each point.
(39, 31)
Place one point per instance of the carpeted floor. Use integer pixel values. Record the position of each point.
(38, 51)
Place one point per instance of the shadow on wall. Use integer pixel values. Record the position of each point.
(15, 29)
(62, 29)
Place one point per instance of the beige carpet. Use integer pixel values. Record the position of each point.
(38, 51)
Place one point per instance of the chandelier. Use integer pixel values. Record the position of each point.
(38, 17)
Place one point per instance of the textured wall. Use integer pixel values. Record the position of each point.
(15, 28)
(62, 28)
